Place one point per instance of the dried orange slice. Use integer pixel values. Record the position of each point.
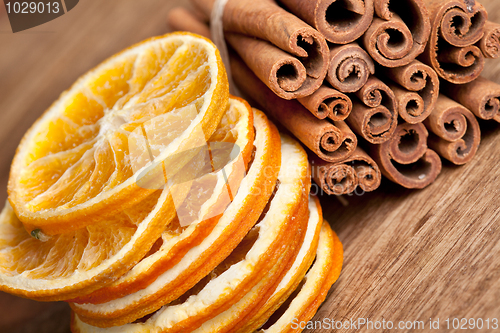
(237, 220)
(76, 263)
(74, 166)
(306, 299)
(260, 258)
(246, 315)
(209, 197)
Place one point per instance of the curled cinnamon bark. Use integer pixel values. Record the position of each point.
(284, 74)
(398, 33)
(344, 177)
(350, 67)
(331, 141)
(456, 26)
(480, 96)
(490, 43)
(457, 134)
(265, 20)
(416, 91)
(374, 116)
(340, 21)
(328, 103)
(405, 158)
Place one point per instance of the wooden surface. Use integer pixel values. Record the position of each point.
(409, 255)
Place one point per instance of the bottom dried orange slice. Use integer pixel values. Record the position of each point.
(237, 220)
(302, 305)
(246, 315)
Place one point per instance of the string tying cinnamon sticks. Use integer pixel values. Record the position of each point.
(344, 177)
(405, 158)
(331, 141)
(490, 43)
(374, 116)
(456, 26)
(416, 87)
(350, 67)
(398, 33)
(457, 134)
(340, 21)
(297, 63)
(480, 96)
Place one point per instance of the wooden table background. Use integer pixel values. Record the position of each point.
(409, 255)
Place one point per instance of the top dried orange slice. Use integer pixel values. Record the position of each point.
(82, 160)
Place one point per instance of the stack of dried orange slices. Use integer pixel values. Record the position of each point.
(152, 201)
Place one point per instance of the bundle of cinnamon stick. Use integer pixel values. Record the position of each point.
(370, 87)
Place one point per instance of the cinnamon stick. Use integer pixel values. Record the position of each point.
(480, 96)
(398, 33)
(265, 20)
(490, 43)
(456, 26)
(284, 74)
(405, 158)
(457, 134)
(374, 116)
(350, 67)
(344, 177)
(328, 103)
(331, 141)
(340, 21)
(416, 87)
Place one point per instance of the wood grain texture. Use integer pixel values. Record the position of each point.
(409, 255)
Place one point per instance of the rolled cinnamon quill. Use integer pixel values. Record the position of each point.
(405, 158)
(457, 134)
(416, 87)
(456, 26)
(289, 77)
(345, 176)
(480, 96)
(398, 33)
(350, 67)
(374, 116)
(340, 21)
(490, 43)
(328, 103)
(331, 141)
